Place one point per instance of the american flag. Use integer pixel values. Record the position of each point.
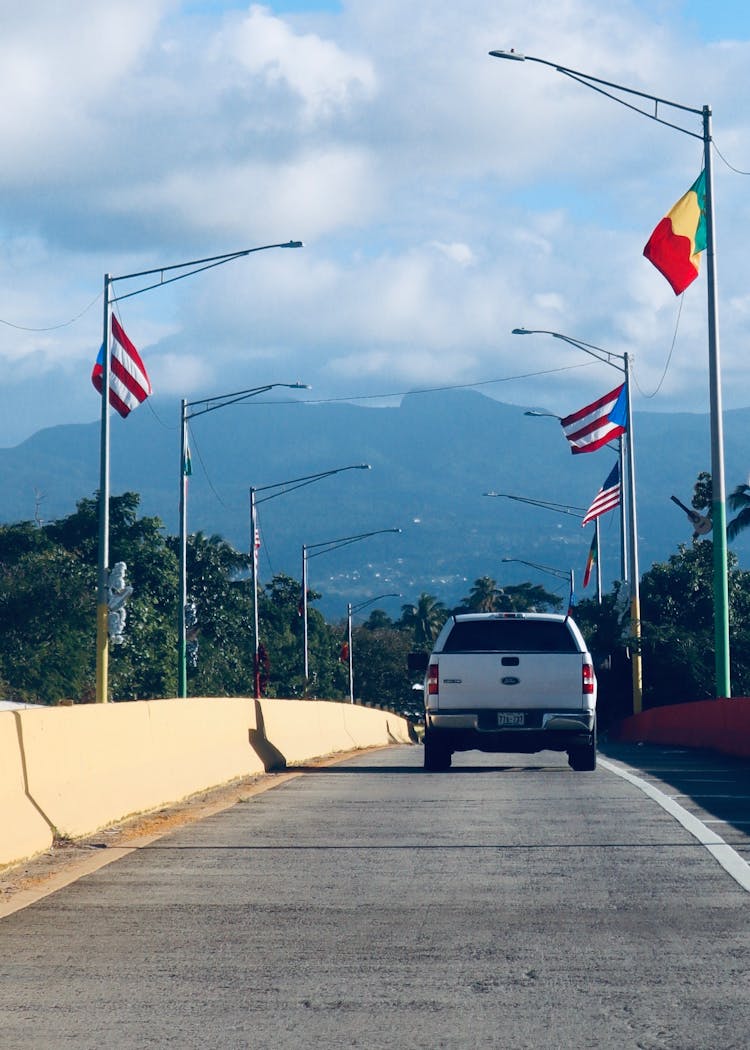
(607, 498)
(598, 423)
(129, 384)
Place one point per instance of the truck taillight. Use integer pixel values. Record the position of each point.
(588, 679)
(432, 680)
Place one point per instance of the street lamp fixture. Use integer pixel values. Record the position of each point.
(720, 565)
(350, 610)
(621, 362)
(325, 547)
(178, 272)
(190, 410)
(562, 508)
(535, 411)
(560, 573)
(278, 488)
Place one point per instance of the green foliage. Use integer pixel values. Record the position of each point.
(487, 596)
(424, 620)
(217, 585)
(677, 614)
(48, 606)
(47, 616)
(379, 658)
(48, 621)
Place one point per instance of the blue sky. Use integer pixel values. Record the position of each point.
(444, 197)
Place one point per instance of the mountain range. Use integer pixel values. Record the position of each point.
(432, 457)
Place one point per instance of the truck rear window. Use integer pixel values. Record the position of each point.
(509, 636)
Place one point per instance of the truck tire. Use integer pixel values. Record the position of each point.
(437, 755)
(582, 758)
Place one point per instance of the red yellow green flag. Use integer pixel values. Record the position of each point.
(590, 561)
(675, 245)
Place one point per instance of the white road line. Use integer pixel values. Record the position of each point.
(730, 860)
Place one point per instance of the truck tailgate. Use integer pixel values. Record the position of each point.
(507, 682)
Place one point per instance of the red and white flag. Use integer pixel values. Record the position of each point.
(607, 498)
(598, 423)
(129, 384)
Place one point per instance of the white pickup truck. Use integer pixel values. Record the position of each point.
(512, 682)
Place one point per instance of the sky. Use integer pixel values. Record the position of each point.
(443, 197)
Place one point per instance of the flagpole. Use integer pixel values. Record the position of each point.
(719, 541)
(102, 592)
(306, 663)
(182, 626)
(597, 535)
(718, 510)
(624, 572)
(349, 655)
(254, 552)
(635, 586)
(611, 358)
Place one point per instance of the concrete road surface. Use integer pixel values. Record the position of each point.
(509, 903)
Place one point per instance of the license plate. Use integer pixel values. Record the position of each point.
(510, 718)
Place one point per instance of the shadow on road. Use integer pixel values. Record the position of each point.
(710, 784)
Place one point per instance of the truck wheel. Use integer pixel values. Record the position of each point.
(437, 756)
(582, 759)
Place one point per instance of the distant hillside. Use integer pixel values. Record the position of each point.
(432, 459)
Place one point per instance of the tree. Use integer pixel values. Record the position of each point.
(424, 619)
(485, 596)
(219, 590)
(529, 597)
(379, 659)
(48, 606)
(739, 501)
(677, 626)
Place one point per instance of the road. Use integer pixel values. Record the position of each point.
(509, 903)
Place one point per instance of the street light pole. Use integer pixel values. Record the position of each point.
(209, 404)
(610, 358)
(282, 487)
(325, 547)
(350, 609)
(718, 511)
(102, 603)
(188, 269)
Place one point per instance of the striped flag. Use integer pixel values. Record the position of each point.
(129, 384)
(607, 498)
(598, 423)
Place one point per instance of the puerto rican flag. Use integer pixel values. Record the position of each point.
(598, 423)
(129, 384)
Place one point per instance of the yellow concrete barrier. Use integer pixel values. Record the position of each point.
(91, 765)
(73, 770)
(24, 831)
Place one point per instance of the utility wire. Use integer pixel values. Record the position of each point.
(669, 357)
(731, 167)
(53, 327)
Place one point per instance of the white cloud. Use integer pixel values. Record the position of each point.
(444, 197)
(325, 77)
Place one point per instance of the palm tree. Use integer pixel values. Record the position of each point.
(739, 500)
(425, 619)
(485, 596)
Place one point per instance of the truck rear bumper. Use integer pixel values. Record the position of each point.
(484, 731)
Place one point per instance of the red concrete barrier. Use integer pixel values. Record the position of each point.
(721, 725)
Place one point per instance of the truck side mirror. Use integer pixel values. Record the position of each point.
(417, 662)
